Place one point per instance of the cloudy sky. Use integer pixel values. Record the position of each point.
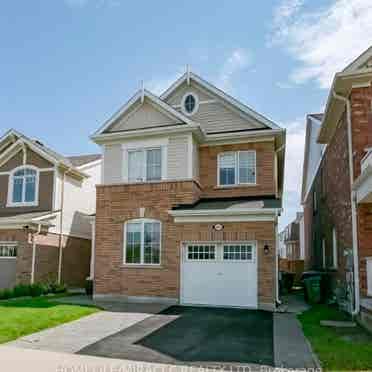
(67, 65)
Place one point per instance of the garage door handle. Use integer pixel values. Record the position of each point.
(219, 273)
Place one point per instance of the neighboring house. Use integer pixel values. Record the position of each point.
(45, 203)
(312, 161)
(292, 254)
(337, 196)
(191, 192)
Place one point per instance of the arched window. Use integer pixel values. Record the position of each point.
(24, 186)
(142, 242)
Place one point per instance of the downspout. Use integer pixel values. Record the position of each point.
(278, 301)
(353, 203)
(34, 235)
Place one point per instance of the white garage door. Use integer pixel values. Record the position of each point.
(219, 274)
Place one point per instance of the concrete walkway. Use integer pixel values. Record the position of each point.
(74, 336)
(291, 348)
(17, 360)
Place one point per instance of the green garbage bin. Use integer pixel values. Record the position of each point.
(313, 290)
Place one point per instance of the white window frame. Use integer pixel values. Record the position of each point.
(201, 245)
(196, 108)
(144, 165)
(237, 175)
(156, 143)
(334, 246)
(10, 202)
(9, 244)
(219, 246)
(251, 260)
(142, 221)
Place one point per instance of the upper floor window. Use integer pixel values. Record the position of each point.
(237, 168)
(145, 165)
(23, 187)
(142, 241)
(190, 103)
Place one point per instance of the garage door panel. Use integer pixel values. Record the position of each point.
(220, 282)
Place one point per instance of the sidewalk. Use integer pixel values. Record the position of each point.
(19, 360)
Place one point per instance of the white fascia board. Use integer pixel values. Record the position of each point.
(48, 216)
(223, 218)
(119, 136)
(232, 101)
(22, 223)
(226, 212)
(212, 138)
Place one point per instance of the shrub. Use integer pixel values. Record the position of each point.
(21, 290)
(6, 294)
(89, 287)
(36, 290)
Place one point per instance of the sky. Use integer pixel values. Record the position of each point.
(68, 65)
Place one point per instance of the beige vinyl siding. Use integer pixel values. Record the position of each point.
(142, 116)
(215, 117)
(178, 157)
(176, 97)
(113, 164)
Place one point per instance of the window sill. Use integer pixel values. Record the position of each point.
(141, 266)
(17, 205)
(242, 185)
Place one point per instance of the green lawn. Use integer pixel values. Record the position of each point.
(339, 349)
(22, 317)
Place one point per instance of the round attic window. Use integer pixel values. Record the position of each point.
(190, 103)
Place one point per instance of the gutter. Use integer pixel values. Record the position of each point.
(225, 212)
(60, 256)
(355, 311)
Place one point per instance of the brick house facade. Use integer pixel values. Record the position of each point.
(189, 201)
(337, 203)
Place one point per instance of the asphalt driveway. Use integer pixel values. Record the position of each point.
(194, 336)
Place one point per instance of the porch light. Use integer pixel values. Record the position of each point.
(266, 249)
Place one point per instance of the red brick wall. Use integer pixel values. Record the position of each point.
(265, 170)
(117, 204)
(76, 257)
(332, 186)
(361, 117)
(361, 103)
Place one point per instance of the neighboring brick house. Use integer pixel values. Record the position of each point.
(338, 198)
(190, 196)
(45, 203)
(291, 254)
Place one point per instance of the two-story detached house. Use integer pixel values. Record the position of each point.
(190, 196)
(45, 203)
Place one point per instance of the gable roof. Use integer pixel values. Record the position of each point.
(312, 153)
(357, 73)
(360, 61)
(14, 139)
(141, 95)
(190, 76)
